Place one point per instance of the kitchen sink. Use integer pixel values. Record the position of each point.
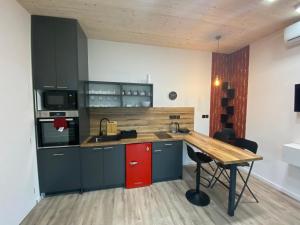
(162, 135)
(96, 139)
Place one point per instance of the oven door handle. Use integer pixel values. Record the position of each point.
(52, 120)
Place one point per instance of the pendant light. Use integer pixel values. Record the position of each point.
(217, 81)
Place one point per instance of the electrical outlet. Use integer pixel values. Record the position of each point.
(174, 117)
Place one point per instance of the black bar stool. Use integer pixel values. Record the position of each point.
(196, 196)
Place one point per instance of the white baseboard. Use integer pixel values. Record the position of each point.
(270, 183)
(276, 186)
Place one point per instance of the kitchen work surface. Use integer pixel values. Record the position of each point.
(218, 150)
(164, 203)
(141, 137)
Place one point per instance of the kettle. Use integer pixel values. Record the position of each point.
(174, 127)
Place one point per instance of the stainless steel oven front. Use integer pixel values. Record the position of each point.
(49, 136)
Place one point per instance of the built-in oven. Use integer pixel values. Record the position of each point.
(59, 100)
(51, 136)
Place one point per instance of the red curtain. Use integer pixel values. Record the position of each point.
(234, 69)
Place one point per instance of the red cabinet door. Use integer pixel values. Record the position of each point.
(138, 165)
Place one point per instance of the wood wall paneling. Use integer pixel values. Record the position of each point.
(142, 119)
(232, 68)
(173, 23)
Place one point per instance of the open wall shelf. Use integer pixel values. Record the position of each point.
(112, 94)
(228, 109)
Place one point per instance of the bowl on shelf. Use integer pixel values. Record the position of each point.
(146, 103)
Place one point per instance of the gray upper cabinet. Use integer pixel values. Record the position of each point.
(55, 52)
(166, 160)
(43, 52)
(66, 54)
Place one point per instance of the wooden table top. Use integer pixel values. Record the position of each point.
(218, 150)
(221, 151)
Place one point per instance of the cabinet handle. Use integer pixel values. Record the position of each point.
(47, 86)
(133, 163)
(58, 154)
(158, 150)
(62, 87)
(168, 144)
(108, 147)
(95, 149)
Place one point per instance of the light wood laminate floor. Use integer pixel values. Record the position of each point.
(165, 204)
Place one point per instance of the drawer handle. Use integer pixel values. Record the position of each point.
(133, 163)
(108, 147)
(47, 86)
(97, 149)
(168, 144)
(158, 150)
(58, 154)
(62, 87)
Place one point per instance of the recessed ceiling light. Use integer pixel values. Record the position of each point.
(268, 2)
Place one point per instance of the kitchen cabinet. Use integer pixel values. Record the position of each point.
(112, 94)
(43, 52)
(59, 169)
(114, 166)
(103, 167)
(138, 165)
(55, 52)
(166, 160)
(92, 168)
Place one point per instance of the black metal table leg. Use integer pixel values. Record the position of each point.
(232, 189)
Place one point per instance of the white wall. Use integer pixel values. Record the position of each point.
(18, 171)
(184, 71)
(271, 120)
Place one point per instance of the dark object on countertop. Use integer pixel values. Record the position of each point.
(184, 130)
(105, 138)
(162, 135)
(128, 134)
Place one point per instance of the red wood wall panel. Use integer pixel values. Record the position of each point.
(232, 68)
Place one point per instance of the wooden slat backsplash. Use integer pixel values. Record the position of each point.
(141, 119)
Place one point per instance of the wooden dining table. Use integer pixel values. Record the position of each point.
(227, 155)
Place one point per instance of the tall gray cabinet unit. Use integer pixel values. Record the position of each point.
(60, 62)
(54, 53)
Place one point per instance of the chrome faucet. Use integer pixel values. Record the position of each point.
(100, 128)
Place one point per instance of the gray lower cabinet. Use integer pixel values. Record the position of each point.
(59, 169)
(103, 167)
(92, 168)
(166, 160)
(114, 166)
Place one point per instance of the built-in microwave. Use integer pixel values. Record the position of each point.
(60, 100)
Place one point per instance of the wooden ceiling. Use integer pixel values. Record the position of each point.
(190, 24)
